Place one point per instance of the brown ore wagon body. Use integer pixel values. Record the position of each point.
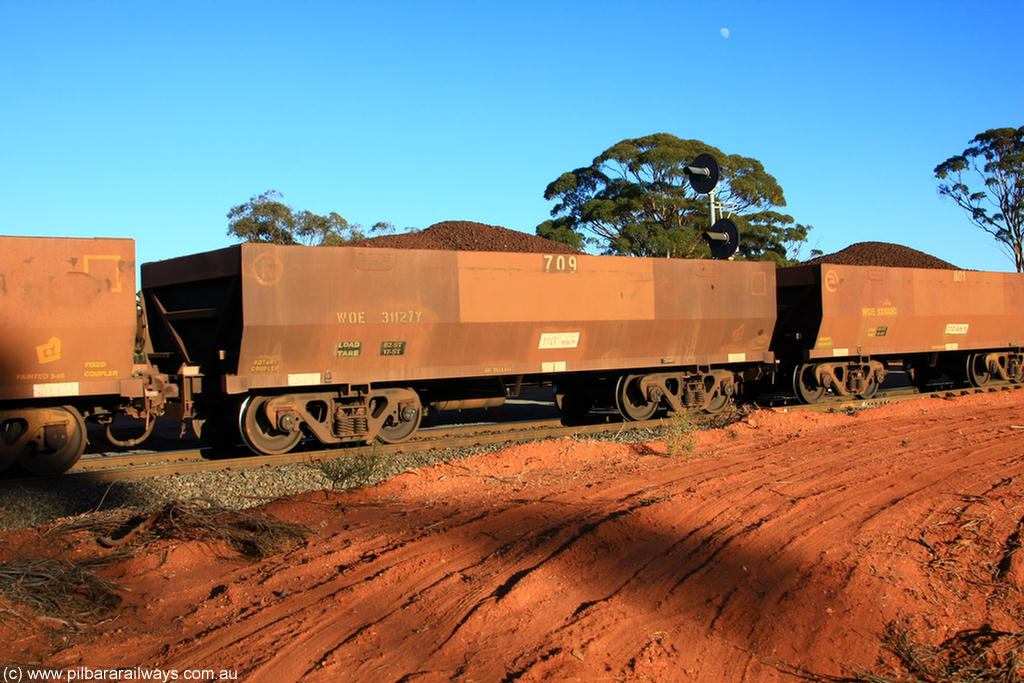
(346, 340)
(839, 324)
(67, 311)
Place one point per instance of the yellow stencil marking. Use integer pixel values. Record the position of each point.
(115, 284)
(48, 352)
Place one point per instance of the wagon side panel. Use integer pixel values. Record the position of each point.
(893, 311)
(351, 315)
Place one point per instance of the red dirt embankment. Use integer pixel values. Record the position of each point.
(789, 540)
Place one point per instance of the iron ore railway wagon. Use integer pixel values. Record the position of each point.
(840, 327)
(351, 344)
(68, 328)
(276, 344)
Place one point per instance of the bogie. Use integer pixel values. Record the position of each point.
(273, 425)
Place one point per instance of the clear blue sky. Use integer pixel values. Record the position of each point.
(151, 119)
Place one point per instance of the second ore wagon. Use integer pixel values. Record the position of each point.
(348, 344)
(841, 326)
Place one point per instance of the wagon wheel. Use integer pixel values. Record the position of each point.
(717, 402)
(870, 387)
(259, 434)
(60, 442)
(630, 401)
(806, 385)
(977, 370)
(398, 428)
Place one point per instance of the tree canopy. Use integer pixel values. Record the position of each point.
(987, 181)
(264, 218)
(635, 199)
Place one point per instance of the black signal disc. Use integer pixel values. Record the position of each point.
(704, 183)
(723, 248)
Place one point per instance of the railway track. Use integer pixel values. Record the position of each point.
(129, 466)
(139, 465)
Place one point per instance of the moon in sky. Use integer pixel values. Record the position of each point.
(725, 33)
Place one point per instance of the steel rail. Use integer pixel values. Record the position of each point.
(185, 462)
(115, 460)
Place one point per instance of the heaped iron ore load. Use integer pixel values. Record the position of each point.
(351, 342)
(838, 325)
(468, 236)
(883, 254)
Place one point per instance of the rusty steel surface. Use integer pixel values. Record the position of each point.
(67, 314)
(350, 315)
(865, 310)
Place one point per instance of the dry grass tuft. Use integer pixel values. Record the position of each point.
(679, 432)
(58, 589)
(364, 469)
(251, 535)
(981, 655)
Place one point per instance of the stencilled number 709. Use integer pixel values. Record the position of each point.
(559, 263)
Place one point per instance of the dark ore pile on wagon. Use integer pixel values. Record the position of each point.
(882, 254)
(468, 236)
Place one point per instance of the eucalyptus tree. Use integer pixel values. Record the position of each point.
(987, 181)
(264, 218)
(635, 198)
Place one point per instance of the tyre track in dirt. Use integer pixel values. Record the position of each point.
(784, 541)
(701, 549)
